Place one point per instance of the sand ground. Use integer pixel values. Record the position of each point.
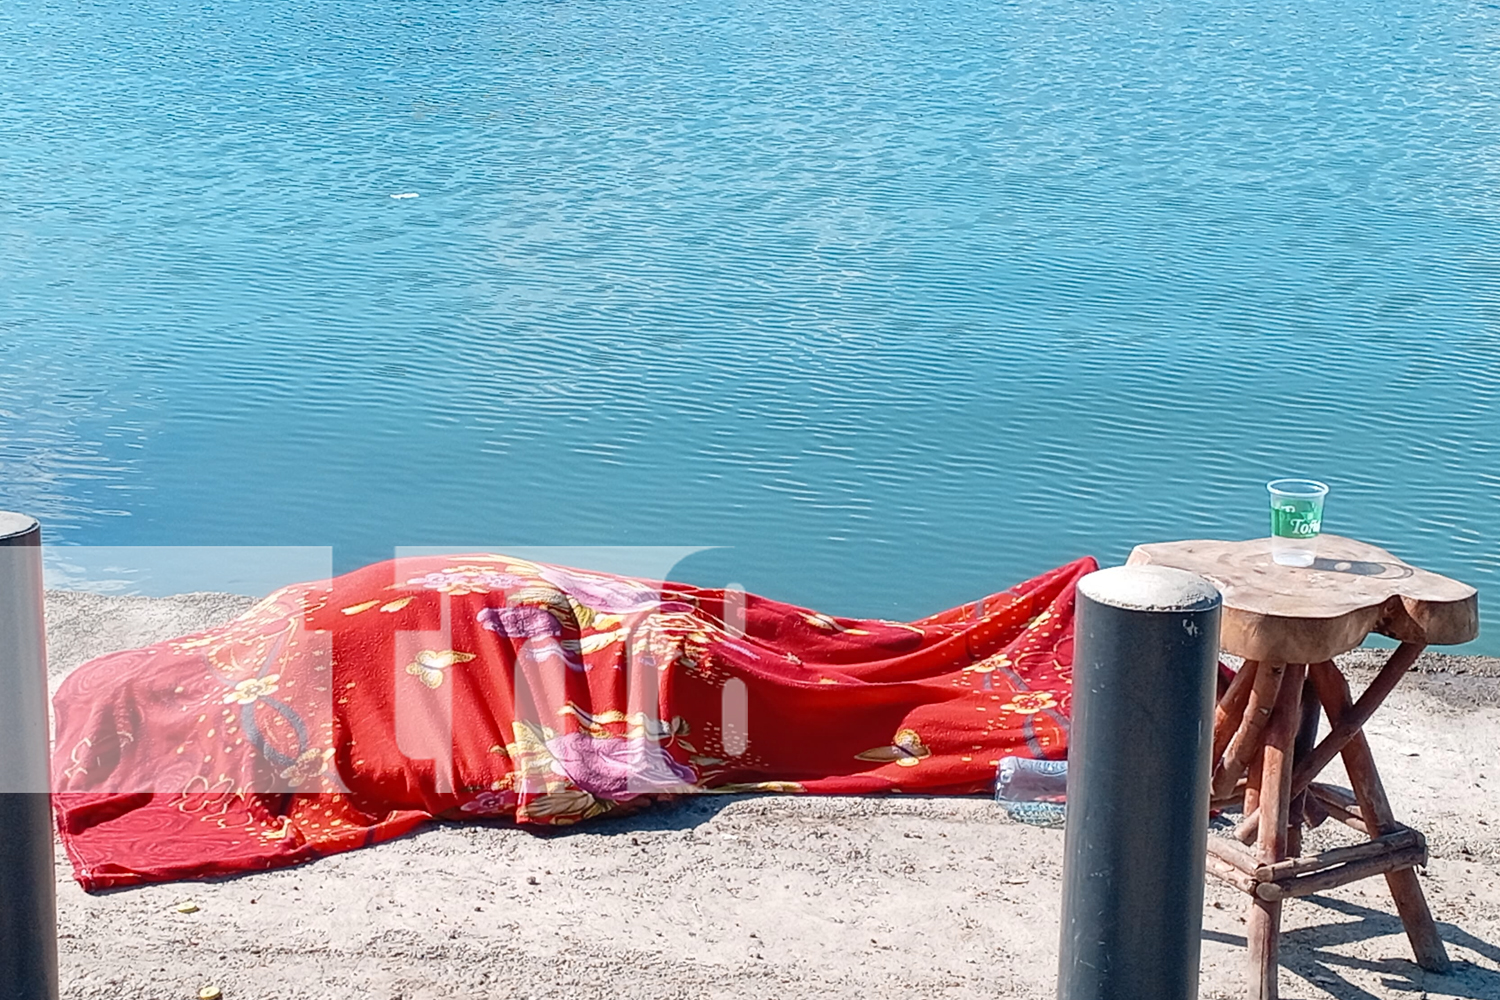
(762, 897)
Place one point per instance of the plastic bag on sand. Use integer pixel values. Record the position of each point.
(1032, 791)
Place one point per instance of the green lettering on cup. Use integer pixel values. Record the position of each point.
(1296, 519)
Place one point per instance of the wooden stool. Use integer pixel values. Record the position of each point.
(1289, 623)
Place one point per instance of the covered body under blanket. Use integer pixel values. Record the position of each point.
(337, 714)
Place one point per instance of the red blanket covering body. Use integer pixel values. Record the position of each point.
(343, 713)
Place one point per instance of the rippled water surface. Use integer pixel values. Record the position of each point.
(899, 303)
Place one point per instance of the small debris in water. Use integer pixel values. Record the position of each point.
(407, 194)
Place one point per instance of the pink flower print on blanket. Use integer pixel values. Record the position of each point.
(538, 629)
(619, 768)
(608, 594)
(524, 621)
(492, 803)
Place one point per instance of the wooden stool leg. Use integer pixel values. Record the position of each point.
(1406, 890)
(1263, 925)
(1265, 685)
(1379, 818)
(1307, 736)
(1230, 709)
(1252, 789)
(1356, 713)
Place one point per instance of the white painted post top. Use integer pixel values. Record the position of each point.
(13, 526)
(1149, 588)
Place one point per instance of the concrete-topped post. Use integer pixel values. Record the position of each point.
(28, 913)
(1145, 653)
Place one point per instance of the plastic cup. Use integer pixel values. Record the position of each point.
(1296, 520)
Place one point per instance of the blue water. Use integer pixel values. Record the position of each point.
(896, 303)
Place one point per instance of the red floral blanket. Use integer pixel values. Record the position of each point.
(343, 713)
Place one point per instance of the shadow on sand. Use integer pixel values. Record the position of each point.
(1308, 952)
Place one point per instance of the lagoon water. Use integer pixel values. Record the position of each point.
(894, 303)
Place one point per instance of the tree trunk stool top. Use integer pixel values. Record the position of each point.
(1289, 623)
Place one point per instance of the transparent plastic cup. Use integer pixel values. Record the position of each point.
(1296, 520)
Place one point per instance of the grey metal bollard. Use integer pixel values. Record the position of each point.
(1145, 654)
(28, 905)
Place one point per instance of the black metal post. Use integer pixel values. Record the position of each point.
(28, 904)
(1145, 654)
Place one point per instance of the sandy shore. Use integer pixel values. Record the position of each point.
(761, 897)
